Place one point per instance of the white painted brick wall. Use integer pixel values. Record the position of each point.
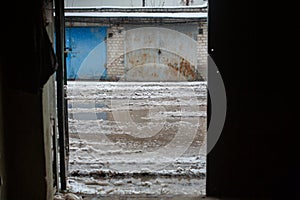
(115, 52)
(202, 52)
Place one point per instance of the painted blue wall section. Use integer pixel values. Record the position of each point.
(87, 53)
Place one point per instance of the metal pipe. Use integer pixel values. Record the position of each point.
(55, 154)
(60, 45)
(66, 107)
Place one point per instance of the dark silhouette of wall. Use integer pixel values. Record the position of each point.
(252, 157)
(27, 61)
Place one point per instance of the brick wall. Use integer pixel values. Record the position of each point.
(202, 51)
(115, 52)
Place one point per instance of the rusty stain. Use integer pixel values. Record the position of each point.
(182, 66)
(155, 75)
(187, 69)
(134, 58)
(131, 61)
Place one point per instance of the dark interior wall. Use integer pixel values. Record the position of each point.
(25, 139)
(2, 158)
(251, 158)
(27, 62)
(24, 150)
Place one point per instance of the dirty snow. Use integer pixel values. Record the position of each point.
(137, 137)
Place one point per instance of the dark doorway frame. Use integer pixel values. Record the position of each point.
(240, 165)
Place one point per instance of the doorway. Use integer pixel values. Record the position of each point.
(140, 130)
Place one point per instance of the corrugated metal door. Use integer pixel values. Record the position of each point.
(86, 59)
(164, 53)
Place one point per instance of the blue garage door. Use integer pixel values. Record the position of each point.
(86, 59)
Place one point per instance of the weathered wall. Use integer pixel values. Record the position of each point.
(49, 114)
(71, 3)
(160, 45)
(180, 47)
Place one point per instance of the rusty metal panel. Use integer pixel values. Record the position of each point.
(163, 48)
